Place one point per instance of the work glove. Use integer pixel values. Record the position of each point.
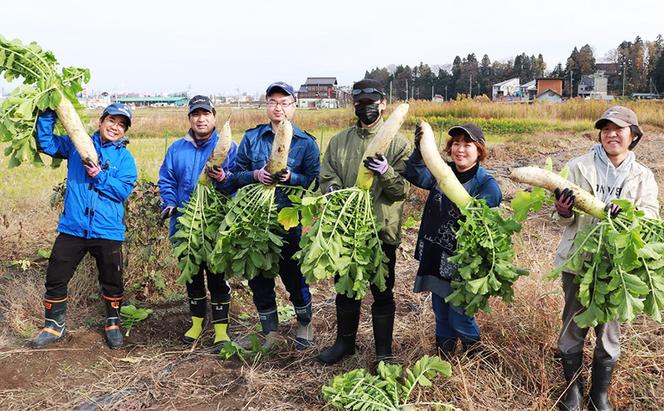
(418, 136)
(263, 177)
(613, 210)
(216, 173)
(167, 212)
(378, 164)
(283, 176)
(331, 188)
(92, 169)
(564, 202)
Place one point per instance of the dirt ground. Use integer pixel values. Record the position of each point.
(154, 371)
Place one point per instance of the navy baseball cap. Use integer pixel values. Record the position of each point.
(202, 102)
(118, 109)
(280, 86)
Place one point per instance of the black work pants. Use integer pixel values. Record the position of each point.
(216, 283)
(67, 253)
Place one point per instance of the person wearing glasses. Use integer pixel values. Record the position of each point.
(339, 169)
(303, 168)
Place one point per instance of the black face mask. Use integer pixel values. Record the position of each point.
(367, 113)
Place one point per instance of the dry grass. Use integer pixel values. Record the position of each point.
(516, 369)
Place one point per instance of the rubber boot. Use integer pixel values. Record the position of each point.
(445, 347)
(573, 397)
(220, 320)
(54, 322)
(305, 331)
(348, 319)
(112, 326)
(602, 370)
(198, 310)
(471, 347)
(270, 326)
(382, 318)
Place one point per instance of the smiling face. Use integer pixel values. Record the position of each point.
(112, 128)
(616, 141)
(464, 152)
(202, 123)
(279, 106)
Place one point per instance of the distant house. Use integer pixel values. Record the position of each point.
(159, 101)
(549, 96)
(549, 89)
(593, 85)
(529, 90)
(318, 92)
(506, 89)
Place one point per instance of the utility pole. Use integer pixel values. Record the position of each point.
(406, 89)
(431, 93)
(390, 92)
(470, 86)
(571, 84)
(445, 92)
(623, 87)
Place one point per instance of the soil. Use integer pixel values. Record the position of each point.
(155, 371)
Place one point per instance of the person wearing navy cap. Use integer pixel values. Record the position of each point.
(185, 161)
(92, 219)
(303, 168)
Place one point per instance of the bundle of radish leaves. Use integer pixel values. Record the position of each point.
(201, 217)
(250, 238)
(45, 86)
(484, 254)
(342, 237)
(619, 261)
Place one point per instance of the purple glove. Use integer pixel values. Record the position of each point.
(263, 177)
(216, 173)
(167, 212)
(283, 176)
(331, 188)
(564, 202)
(377, 164)
(613, 210)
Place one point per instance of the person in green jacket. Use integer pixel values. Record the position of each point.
(339, 169)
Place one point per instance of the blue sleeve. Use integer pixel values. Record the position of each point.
(227, 186)
(118, 187)
(490, 191)
(49, 143)
(242, 173)
(417, 172)
(167, 182)
(311, 166)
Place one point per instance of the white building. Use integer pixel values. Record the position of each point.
(506, 89)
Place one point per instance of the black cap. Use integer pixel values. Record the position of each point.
(202, 102)
(368, 89)
(471, 130)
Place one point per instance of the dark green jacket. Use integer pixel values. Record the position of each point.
(341, 162)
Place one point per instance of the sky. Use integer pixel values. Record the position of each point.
(222, 47)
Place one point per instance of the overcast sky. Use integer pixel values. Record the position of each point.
(207, 46)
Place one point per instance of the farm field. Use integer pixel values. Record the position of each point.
(515, 370)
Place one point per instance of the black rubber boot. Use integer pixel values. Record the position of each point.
(602, 370)
(305, 331)
(348, 319)
(270, 325)
(198, 310)
(382, 318)
(54, 322)
(221, 306)
(112, 326)
(573, 397)
(471, 347)
(445, 347)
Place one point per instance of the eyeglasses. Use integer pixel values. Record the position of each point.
(367, 91)
(273, 104)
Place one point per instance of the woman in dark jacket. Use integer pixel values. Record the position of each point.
(437, 240)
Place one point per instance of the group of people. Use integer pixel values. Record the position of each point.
(92, 221)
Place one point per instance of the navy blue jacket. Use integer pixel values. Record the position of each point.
(182, 167)
(94, 207)
(254, 152)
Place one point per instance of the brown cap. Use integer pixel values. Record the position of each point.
(620, 116)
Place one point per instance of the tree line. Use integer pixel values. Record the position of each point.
(633, 67)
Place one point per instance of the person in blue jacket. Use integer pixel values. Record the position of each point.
(436, 239)
(92, 219)
(303, 168)
(178, 176)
